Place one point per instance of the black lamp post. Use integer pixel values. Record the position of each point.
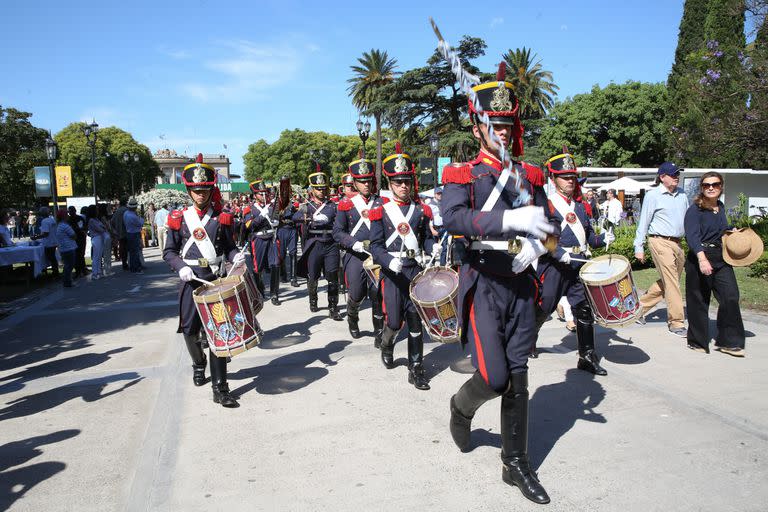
(317, 155)
(363, 130)
(434, 147)
(52, 149)
(90, 131)
(127, 159)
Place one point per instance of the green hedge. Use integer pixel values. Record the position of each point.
(624, 245)
(760, 267)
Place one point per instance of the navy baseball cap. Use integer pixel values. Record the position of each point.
(669, 168)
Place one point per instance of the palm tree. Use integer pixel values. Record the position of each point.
(533, 85)
(374, 70)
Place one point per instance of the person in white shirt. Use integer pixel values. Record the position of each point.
(48, 234)
(161, 225)
(5, 234)
(614, 208)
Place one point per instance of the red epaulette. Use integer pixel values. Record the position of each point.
(345, 205)
(534, 174)
(459, 173)
(375, 213)
(427, 210)
(552, 208)
(246, 210)
(225, 219)
(174, 219)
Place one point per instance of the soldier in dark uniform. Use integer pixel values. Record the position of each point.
(348, 186)
(200, 239)
(497, 287)
(559, 276)
(319, 251)
(287, 236)
(260, 224)
(399, 236)
(352, 232)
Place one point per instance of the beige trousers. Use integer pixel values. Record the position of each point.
(161, 234)
(669, 258)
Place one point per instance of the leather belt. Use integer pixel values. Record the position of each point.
(320, 231)
(266, 232)
(670, 238)
(408, 253)
(510, 246)
(711, 246)
(204, 262)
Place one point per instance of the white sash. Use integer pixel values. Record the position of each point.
(493, 197)
(264, 211)
(563, 208)
(360, 205)
(205, 246)
(318, 210)
(396, 216)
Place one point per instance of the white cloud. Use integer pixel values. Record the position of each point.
(496, 21)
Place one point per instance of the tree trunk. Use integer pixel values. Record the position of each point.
(377, 118)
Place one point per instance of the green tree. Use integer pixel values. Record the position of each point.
(22, 146)
(374, 71)
(725, 23)
(690, 38)
(534, 87)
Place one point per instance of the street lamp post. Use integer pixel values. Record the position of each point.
(91, 131)
(52, 149)
(127, 159)
(434, 146)
(363, 130)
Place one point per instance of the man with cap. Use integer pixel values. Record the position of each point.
(486, 204)
(399, 236)
(199, 240)
(352, 232)
(260, 222)
(134, 224)
(319, 251)
(661, 218)
(558, 274)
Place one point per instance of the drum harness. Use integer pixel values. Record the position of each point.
(195, 224)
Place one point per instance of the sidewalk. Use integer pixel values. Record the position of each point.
(98, 412)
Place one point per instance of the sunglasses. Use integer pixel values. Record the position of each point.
(715, 185)
(401, 182)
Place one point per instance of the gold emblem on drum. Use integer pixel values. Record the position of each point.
(625, 287)
(446, 311)
(220, 312)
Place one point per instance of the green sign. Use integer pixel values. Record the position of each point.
(236, 186)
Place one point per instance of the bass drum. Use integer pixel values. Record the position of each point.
(434, 292)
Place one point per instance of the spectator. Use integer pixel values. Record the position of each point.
(34, 229)
(160, 222)
(78, 224)
(96, 230)
(706, 272)
(48, 234)
(109, 238)
(637, 206)
(119, 228)
(12, 223)
(133, 224)
(661, 218)
(149, 217)
(6, 240)
(591, 200)
(614, 208)
(67, 239)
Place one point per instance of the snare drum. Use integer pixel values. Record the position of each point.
(242, 272)
(434, 292)
(228, 315)
(373, 271)
(611, 290)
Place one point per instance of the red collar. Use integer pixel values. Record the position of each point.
(201, 214)
(567, 199)
(399, 203)
(489, 159)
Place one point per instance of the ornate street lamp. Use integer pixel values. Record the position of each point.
(91, 131)
(52, 149)
(363, 130)
(434, 147)
(127, 159)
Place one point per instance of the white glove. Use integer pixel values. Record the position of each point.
(320, 218)
(238, 259)
(274, 223)
(526, 256)
(565, 258)
(436, 250)
(186, 274)
(358, 246)
(396, 265)
(530, 219)
(609, 237)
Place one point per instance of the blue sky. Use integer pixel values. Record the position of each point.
(196, 75)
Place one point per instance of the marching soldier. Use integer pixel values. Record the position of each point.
(352, 232)
(348, 182)
(200, 238)
(288, 238)
(260, 224)
(319, 251)
(482, 201)
(399, 235)
(559, 276)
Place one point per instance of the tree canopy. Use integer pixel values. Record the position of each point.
(22, 146)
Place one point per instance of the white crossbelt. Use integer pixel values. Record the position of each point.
(264, 211)
(493, 197)
(318, 210)
(397, 218)
(205, 246)
(563, 208)
(360, 205)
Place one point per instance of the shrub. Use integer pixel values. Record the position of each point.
(761, 228)
(624, 245)
(760, 267)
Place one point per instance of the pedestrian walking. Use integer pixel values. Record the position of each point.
(133, 224)
(160, 222)
(119, 229)
(48, 234)
(96, 231)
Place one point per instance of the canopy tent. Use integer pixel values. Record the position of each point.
(628, 185)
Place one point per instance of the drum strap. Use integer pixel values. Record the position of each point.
(493, 197)
(205, 245)
(397, 218)
(563, 208)
(360, 206)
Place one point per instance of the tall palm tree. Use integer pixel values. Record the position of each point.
(374, 70)
(533, 85)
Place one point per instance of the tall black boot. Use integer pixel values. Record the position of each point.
(292, 265)
(221, 393)
(467, 400)
(416, 374)
(333, 300)
(516, 470)
(260, 283)
(353, 317)
(342, 283)
(284, 270)
(388, 347)
(378, 316)
(585, 333)
(274, 284)
(198, 358)
(312, 287)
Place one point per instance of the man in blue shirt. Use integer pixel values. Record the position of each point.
(133, 225)
(661, 218)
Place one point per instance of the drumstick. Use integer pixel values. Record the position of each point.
(207, 283)
(239, 262)
(580, 260)
(442, 239)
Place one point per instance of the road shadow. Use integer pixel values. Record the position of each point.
(608, 344)
(444, 356)
(14, 483)
(283, 335)
(288, 373)
(89, 390)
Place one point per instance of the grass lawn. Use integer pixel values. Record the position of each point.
(753, 290)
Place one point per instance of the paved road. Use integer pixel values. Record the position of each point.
(98, 412)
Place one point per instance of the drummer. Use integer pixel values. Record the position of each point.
(199, 239)
(319, 251)
(399, 236)
(559, 276)
(352, 232)
(260, 223)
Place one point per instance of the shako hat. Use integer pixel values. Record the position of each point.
(562, 164)
(199, 176)
(497, 99)
(258, 186)
(361, 169)
(347, 179)
(398, 165)
(318, 179)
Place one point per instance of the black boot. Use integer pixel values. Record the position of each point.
(378, 316)
(388, 347)
(467, 400)
(585, 333)
(292, 265)
(342, 283)
(514, 440)
(312, 287)
(416, 374)
(353, 317)
(260, 283)
(198, 358)
(221, 393)
(284, 271)
(274, 284)
(333, 301)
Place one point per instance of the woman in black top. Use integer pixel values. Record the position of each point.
(706, 273)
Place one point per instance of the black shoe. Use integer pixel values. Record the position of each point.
(221, 395)
(333, 313)
(354, 329)
(275, 300)
(388, 356)
(377, 340)
(294, 283)
(417, 377)
(198, 374)
(461, 427)
(534, 354)
(589, 363)
(518, 473)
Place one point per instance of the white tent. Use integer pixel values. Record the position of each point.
(628, 185)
